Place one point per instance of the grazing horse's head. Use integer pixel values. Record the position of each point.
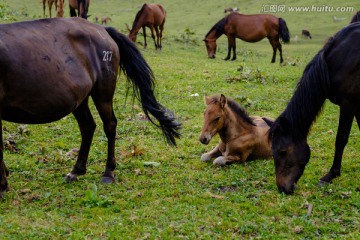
(213, 117)
(290, 155)
(211, 47)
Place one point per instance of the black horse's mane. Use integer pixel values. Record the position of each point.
(356, 17)
(311, 92)
(138, 16)
(218, 27)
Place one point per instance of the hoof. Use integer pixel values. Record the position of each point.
(220, 161)
(322, 183)
(107, 179)
(71, 178)
(205, 157)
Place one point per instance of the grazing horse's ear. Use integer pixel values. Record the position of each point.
(222, 101)
(207, 100)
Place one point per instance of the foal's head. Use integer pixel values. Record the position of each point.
(214, 117)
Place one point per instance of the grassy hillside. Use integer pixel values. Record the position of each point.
(168, 193)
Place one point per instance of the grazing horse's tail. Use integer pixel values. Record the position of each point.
(284, 31)
(139, 73)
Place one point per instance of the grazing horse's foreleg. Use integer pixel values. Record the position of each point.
(157, 43)
(144, 33)
(342, 136)
(231, 46)
(44, 7)
(160, 34)
(87, 128)
(108, 118)
(4, 172)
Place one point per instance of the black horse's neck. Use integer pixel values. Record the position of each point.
(309, 97)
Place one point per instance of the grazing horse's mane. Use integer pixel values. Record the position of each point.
(356, 17)
(138, 16)
(236, 108)
(218, 27)
(311, 92)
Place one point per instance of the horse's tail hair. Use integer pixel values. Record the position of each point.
(284, 31)
(140, 75)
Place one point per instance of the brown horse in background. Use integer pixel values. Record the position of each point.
(242, 136)
(71, 60)
(151, 16)
(50, 3)
(60, 8)
(82, 7)
(250, 28)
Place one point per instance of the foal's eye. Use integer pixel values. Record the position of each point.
(216, 119)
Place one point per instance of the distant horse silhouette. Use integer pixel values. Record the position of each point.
(104, 20)
(60, 8)
(152, 16)
(306, 34)
(242, 136)
(325, 77)
(50, 3)
(81, 60)
(250, 28)
(82, 7)
(356, 17)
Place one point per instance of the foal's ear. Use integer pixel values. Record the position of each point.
(222, 101)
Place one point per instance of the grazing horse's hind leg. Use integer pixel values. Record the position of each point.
(157, 42)
(342, 136)
(274, 47)
(160, 34)
(108, 118)
(87, 128)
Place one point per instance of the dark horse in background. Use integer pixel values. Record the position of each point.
(82, 7)
(250, 28)
(69, 61)
(151, 16)
(334, 74)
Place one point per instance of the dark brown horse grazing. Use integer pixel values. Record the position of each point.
(356, 17)
(82, 7)
(325, 77)
(242, 136)
(250, 28)
(151, 16)
(68, 61)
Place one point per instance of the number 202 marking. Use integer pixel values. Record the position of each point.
(107, 56)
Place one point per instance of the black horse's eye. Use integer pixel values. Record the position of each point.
(282, 153)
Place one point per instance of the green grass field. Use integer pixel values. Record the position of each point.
(168, 193)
